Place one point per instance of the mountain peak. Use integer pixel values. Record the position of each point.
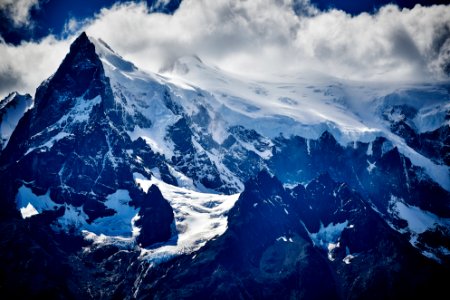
(82, 39)
(79, 68)
(80, 74)
(82, 44)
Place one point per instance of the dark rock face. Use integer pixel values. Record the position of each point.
(436, 144)
(367, 173)
(267, 251)
(193, 162)
(366, 239)
(240, 160)
(36, 261)
(155, 218)
(80, 74)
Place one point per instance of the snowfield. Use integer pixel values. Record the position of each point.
(292, 104)
(199, 217)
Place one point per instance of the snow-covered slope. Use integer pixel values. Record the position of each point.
(199, 217)
(293, 105)
(348, 109)
(12, 108)
(281, 105)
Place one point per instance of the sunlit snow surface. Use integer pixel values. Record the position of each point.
(25, 197)
(296, 104)
(328, 237)
(199, 217)
(28, 211)
(307, 105)
(418, 221)
(119, 224)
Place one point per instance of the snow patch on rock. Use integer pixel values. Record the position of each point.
(328, 237)
(199, 217)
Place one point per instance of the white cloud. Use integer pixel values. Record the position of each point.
(260, 37)
(18, 10)
(267, 36)
(24, 67)
(71, 26)
(222, 32)
(392, 44)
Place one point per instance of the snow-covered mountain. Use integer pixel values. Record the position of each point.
(195, 182)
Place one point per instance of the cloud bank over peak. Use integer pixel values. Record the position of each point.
(272, 37)
(268, 36)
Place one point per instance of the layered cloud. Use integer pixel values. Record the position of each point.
(24, 67)
(18, 10)
(268, 36)
(264, 37)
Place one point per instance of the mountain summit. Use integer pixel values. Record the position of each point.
(195, 183)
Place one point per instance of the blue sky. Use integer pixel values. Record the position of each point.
(401, 42)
